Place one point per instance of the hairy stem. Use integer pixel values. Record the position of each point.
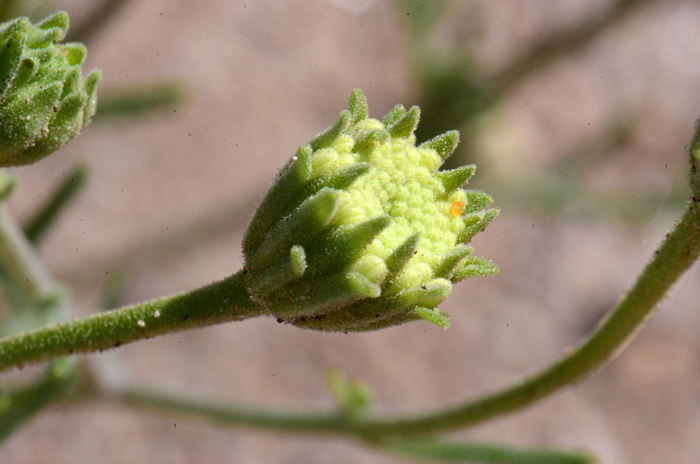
(223, 301)
(675, 255)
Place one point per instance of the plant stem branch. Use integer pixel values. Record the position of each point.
(331, 422)
(90, 27)
(443, 451)
(38, 225)
(20, 406)
(23, 267)
(223, 301)
(675, 255)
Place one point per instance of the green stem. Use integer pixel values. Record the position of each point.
(441, 451)
(332, 422)
(139, 100)
(37, 226)
(675, 255)
(223, 301)
(567, 43)
(88, 28)
(20, 406)
(21, 265)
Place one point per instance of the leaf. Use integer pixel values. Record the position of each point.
(444, 144)
(442, 451)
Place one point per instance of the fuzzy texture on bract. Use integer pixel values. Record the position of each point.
(360, 231)
(44, 102)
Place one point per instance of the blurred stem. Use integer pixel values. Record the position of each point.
(441, 451)
(565, 195)
(333, 422)
(675, 255)
(19, 406)
(114, 291)
(35, 297)
(565, 43)
(339, 423)
(88, 29)
(138, 100)
(37, 226)
(21, 265)
(223, 301)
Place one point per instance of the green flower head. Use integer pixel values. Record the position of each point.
(360, 231)
(43, 100)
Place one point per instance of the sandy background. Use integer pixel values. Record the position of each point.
(169, 199)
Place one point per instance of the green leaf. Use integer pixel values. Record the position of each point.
(407, 124)
(394, 115)
(429, 294)
(22, 121)
(37, 226)
(451, 261)
(358, 106)
(475, 223)
(441, 451)
(474, 266)
(139, 101)
(330, 135)
(91, 90)
(65, 125)
(402, 255)
(454, 179)
(444, 144)
(371, 140)
(34, 121)
(476, 201)
(434, 316)
(351, 396)
(282, 270)
(11, 57)
(287, 192)
(75, 53)
(341, 248)
(303, 224)
(316, 296)
(21, 405)
(339, 180)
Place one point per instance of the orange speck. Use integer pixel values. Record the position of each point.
(457, 208)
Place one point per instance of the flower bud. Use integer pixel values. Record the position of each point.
(360, 231)
(43, 100)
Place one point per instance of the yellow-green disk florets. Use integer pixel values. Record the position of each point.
(361, 231)
(44, 101)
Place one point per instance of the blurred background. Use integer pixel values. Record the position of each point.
(577, 114)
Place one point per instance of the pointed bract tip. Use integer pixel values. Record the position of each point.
(407, 124)
(434, 316)
(394, 115)
(455, 178)
(329, 136)
(444, 144)
(358, 106)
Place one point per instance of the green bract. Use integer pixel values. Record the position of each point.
(43, 100)
(360, 231)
